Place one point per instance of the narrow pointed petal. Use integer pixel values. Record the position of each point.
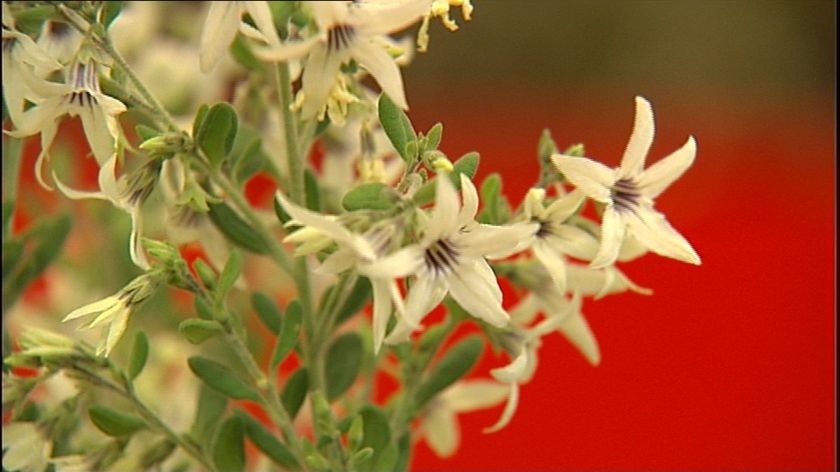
(471, 395)
(381, 311)
(513, 372)
(219, 29)
(309, 218)
(98, 132)
(574, 241)
(510, 409)
(654, 231)
(496, 241)
(261, 14)
(640, 140)
(554, 263)
(575, 328)
(388, 18)
(108, 180)
(661, 175)
(287, 51)
(561, 209)
(424, 295)
(401, 263)
(486, 273)
(135, 248)
(90, 308)
(47, 137)
(533, 205)
(78, 194)
(442, 432)
(338, 262)
(320, 72)
(444, 221)
(592, 178)
(526, 310)
(383, 68)
(470, 198)
(115, 332)
(476, 296)
(612, 233)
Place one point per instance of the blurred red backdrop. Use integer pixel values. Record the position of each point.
(728, 366)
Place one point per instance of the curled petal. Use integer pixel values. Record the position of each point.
(510, 409)
(640, 140)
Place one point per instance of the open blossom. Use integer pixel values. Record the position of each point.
(629, 190)
(450, 258)
(349, 31)
(439, 426)
(25, 448)
(359, 251)
(78, 96)
(127, 194)
(556, 238)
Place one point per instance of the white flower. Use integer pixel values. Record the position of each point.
(60, 41)
(555, 238)
(20, 52)
(628, 192)
(601, 282)
(440, 8)
(349, 31)
(561, 315)
(222, 23)
(127, 195)
(439, 426)
(115, 310)
(450, 258)
(359, 251)
(26, 448)
(79, 96)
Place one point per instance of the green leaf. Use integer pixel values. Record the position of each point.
(282, 216)
(221, 378)
(197, 331)
(47, 238)
(434, 136)
(236, 229)
(294, 392)
(369, 196)
(229, 446)
(229, 274)
(110, 12)
(113, 422)
(146, 133)
(268, 311)
(249, 160)
(496, 207)
(454, 365)
(242, 54)
(267, 443)
(467, 165)
(12, 252)
(288, 333)
(404, 454)
(397, 126)
(200, 115)
(311, 190)
(377, 434)
(157, 453)
(217, 132)
(205, 273)
(546, 147)
(344, 358)
(139, 355)
(8, 211)
(358, 298)
(204, 310)
(208, 414)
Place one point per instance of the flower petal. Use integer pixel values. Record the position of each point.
(554, 263)
(261, 14)
(476, 296)
(592, 178)
(382, 67)
(612, 233)
(496, 242)
(219, 29)
(441, 430)
(401, 263)
(510, 409)
(653, 230)
(573, 241)
(330, 227)
(322, 67)
(381, 311)
(444, 222)
(287, 51)
(471, 395)
(386, 18)
(95, 307)
(470, 198)
(640, 140)
(115, 332)
(659, 176)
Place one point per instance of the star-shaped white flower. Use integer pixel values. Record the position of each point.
(79, 96)
(355, 250)
(629, 190)
(124, 196)
(451, 258)
(349, 31)
(556, 238)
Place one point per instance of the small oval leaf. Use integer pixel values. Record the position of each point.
(113, 422)
(197, 331)
(235, 228)
(369, 196)
(344, 358)
(397, 126)
(268, 311)
(221, 378)
(294, 392)
(288, 334)
(267, 443)
(139, 355)
(217, 132)
(454, 365)
(229, 446)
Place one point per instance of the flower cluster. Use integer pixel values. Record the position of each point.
(384, 218)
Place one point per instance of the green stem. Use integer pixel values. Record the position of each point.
(293, 154)
(11, 174)
(154, 421)
(268, 391)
